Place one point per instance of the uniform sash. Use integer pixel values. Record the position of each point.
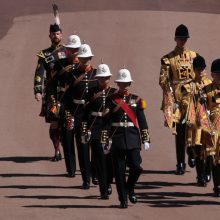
(124, 106)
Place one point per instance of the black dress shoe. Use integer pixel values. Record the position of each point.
(124, 204)
(104, 196)
(191, 162)
(57, 157)
(95, 181)
(216, 191)
(180, 169)
(208, 177)
(71, 174)
(201, 181)
(109, 189)
(132, 197)
(85, 185)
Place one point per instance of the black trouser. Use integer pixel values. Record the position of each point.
(180, 143)
(103, 165)
(216, 175)
(200, 162)
(69, 150)
(83, 152)
(121, 158)
(92, 164)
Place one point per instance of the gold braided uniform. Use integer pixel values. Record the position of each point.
(178, 64)
(197, 115)
(213, 103)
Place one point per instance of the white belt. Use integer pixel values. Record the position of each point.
(97, 114)
(76, 101)
(123, 124)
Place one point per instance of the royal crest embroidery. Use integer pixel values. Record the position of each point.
(84, 50)
(73, 41)
(104, 69)
(124, 75)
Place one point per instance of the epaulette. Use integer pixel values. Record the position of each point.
(41, 54)
(208, 88)
(206, 80)
(193, 53)
(142, 104)
(165, 60)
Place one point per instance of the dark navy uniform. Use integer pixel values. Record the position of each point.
(103, 163)
(64, 68)
(44, 82)
(126, 140)
(80, 81)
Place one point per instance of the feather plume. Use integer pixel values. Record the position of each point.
(56, 14)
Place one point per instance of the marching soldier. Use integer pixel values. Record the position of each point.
(64, 68)
(80, 83)
(96, 107)
(197, 118)
(127, 121)
(211, 137)
(176, 71)
(45, 87)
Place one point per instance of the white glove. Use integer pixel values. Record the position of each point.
(146, 146)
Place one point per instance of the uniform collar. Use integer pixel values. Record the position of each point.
(123, 94)
(85, 69)
(179, 50)
(55, 46)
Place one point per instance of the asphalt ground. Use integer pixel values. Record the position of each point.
(131, 33)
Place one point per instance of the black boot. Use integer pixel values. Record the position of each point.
(57, 157)
(216, 179)
(109, 189)
(132, 197)
(200, 169)
(104, 196)
(191, 157)
(124, 204)
(180, 169)
(216, 190)
(95, 180)
(208, 168)
(201, 181)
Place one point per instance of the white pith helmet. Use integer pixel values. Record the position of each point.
(85, 51)
(103, 71)
(123, 75)
(73, 42)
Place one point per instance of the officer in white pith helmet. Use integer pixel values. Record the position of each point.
(103, 71)
(81, 82)
(123, 76)
(85, 51)
(128, 130)
(73, 42)
(95, 120)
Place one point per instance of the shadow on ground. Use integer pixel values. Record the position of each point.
(26, 159)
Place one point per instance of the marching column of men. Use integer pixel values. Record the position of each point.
(191, 107)
(79, 101)
(82, 108)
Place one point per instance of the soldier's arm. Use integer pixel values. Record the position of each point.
(142, 122)
(165, 72)
(38, 77)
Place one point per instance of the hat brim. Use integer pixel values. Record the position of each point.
(81, 56)
(122, 81)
